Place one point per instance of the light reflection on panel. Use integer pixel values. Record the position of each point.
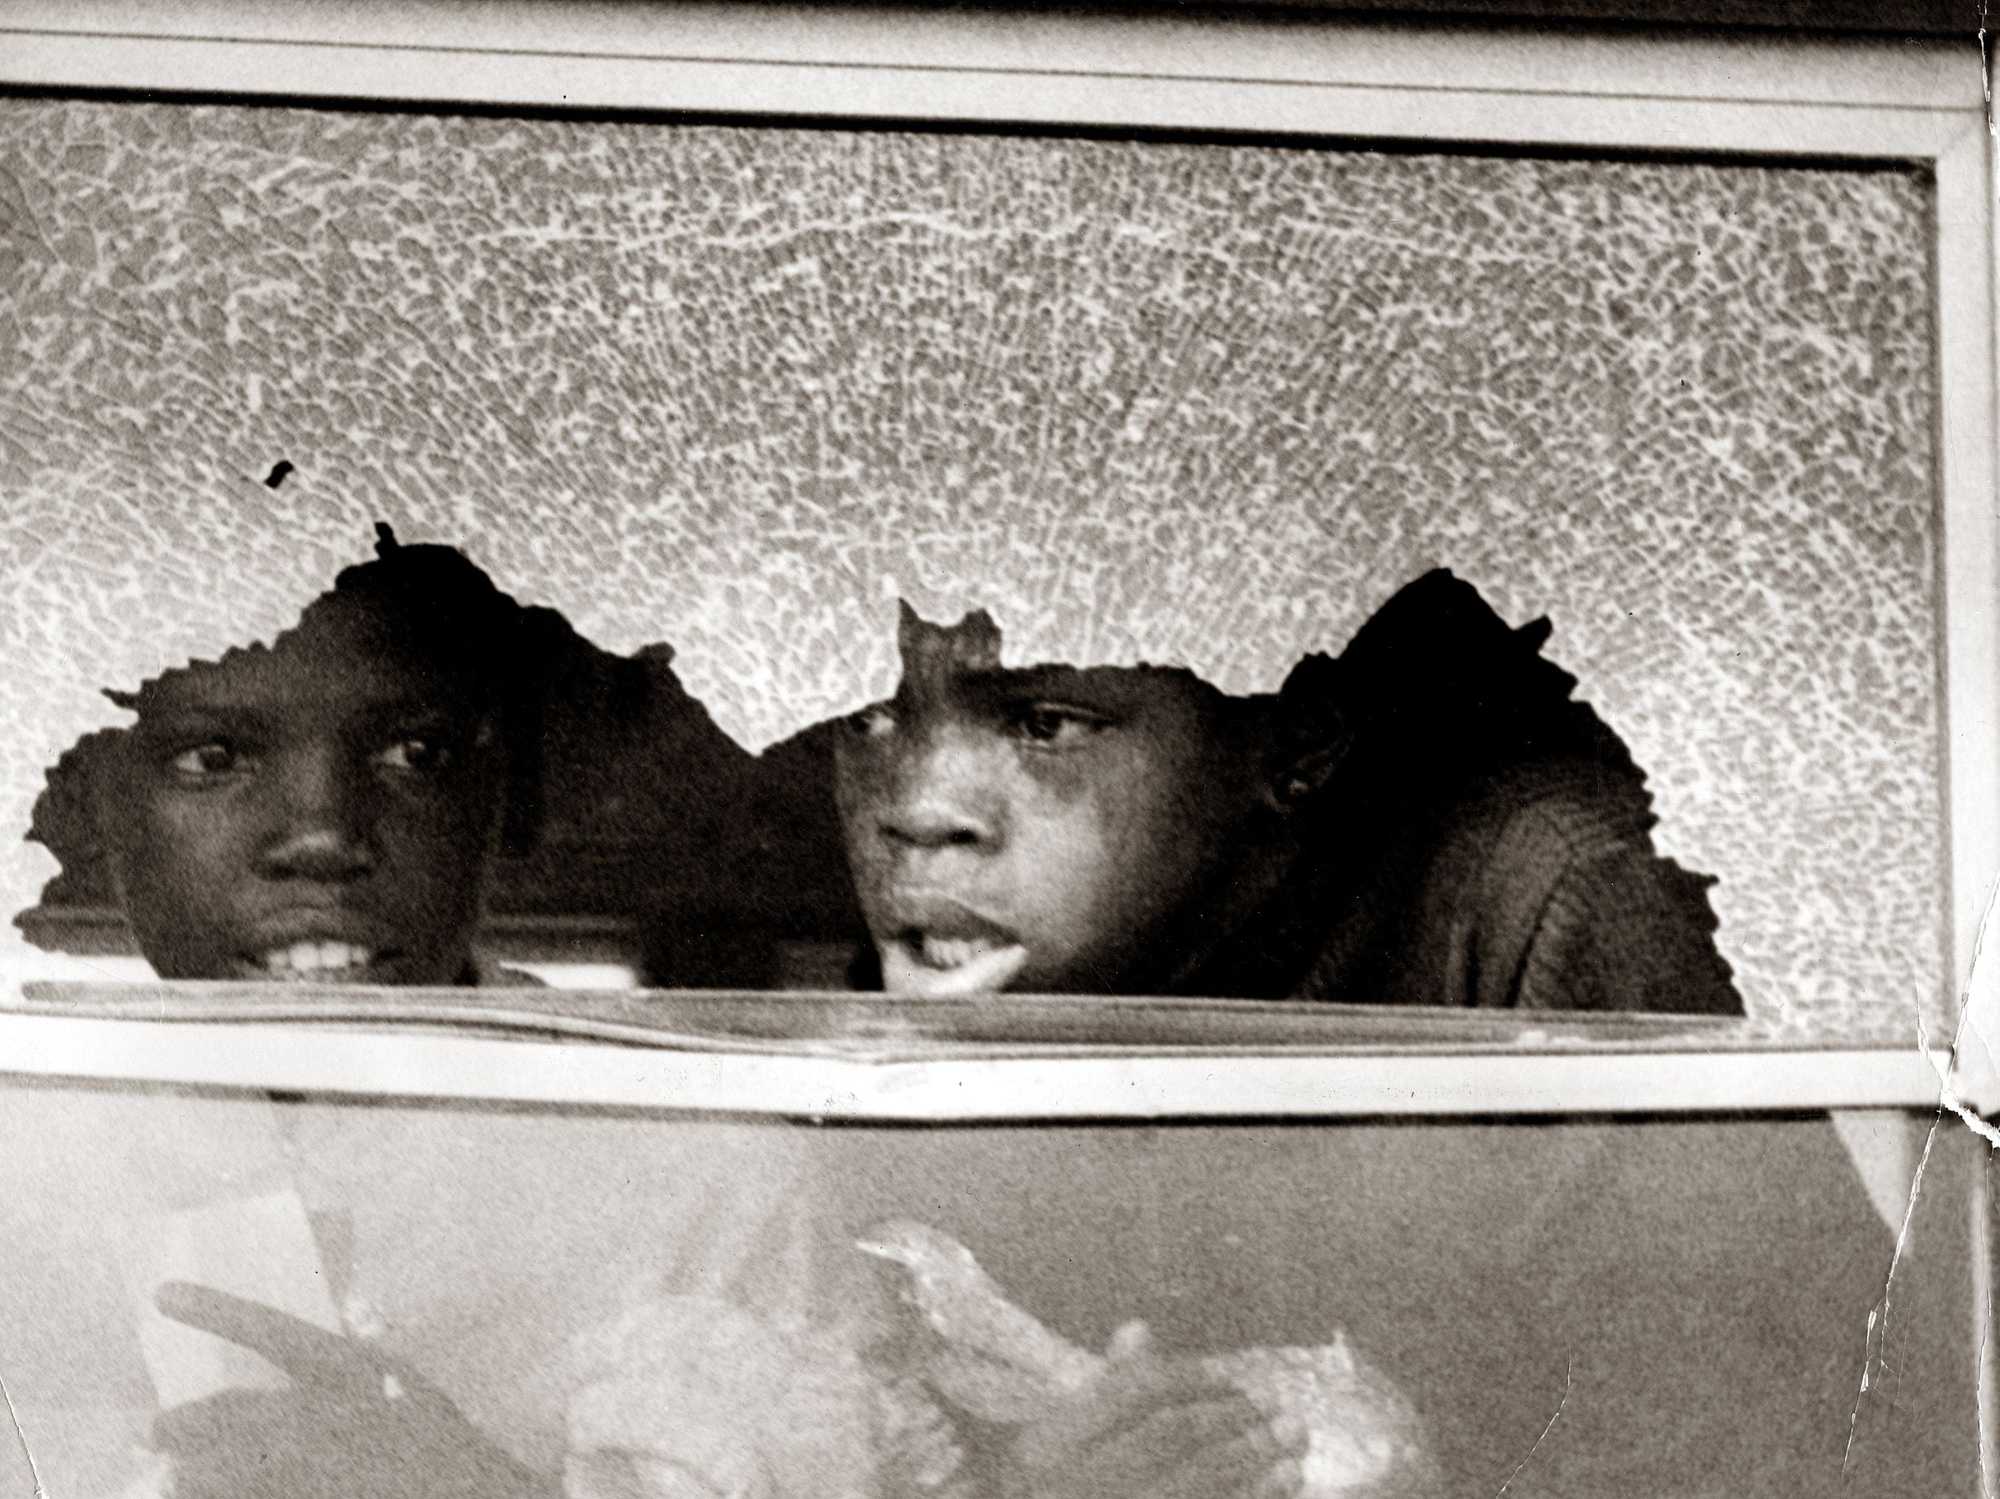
(1684, 1306)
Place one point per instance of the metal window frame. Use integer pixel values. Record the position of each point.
(1754, 95)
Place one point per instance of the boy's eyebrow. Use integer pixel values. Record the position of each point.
(413, 705)
(1103, 689)
(204, 714)
(1050, 680)
(221, 706)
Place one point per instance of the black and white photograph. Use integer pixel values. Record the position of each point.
(1144, 751)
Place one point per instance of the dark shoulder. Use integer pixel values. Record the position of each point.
(1549, 814)
(1571, 904)
(1486, 838)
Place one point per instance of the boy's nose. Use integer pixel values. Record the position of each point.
(934, 822)
(944, 795)
(322, 828)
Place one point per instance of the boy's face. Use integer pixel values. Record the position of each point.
(321, 811)
(1042, 830)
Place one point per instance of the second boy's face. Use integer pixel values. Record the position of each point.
(1042, 830)
(322, 811)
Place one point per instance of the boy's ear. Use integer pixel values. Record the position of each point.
(1309, 733)
(1300, 778)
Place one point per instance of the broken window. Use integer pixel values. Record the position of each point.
(1400, 578)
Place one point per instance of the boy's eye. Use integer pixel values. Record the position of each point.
(212, 757)
(415, 752)
(872, 722)
(1054, 725)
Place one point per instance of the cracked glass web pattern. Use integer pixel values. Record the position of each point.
(739, 388)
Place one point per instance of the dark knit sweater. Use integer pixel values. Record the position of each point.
(1484, 840)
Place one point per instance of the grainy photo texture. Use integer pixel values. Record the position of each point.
(956, 801)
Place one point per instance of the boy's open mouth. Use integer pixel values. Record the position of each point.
(940, 946)
(317, 962)
(945, 966)
(940, 951)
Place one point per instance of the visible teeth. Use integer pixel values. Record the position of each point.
(303, 958)
(953, 952)
(912, 966)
